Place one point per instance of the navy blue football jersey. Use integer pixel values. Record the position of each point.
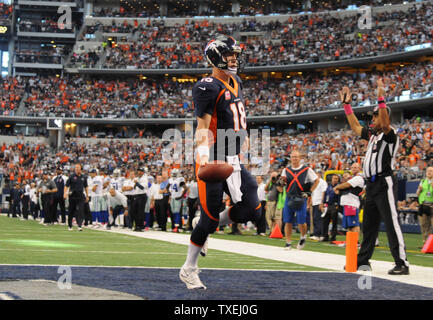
(225, 103)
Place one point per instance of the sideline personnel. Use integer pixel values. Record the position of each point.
(77, 183)
(381, 190)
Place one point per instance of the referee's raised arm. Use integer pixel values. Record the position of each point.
(383, 112)
(346, 98)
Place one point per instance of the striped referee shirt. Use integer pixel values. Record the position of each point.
(381, 152)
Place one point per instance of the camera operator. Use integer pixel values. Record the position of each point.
(273, 215)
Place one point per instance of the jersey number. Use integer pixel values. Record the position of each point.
(239, 115)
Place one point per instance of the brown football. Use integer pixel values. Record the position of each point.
(215, 171)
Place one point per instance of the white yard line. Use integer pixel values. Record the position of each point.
(421, 276)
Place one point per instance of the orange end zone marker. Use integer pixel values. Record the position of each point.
(428, 246)
(351, 251)
(276, 233)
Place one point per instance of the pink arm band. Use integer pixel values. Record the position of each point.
(348, 109)
(381, 101)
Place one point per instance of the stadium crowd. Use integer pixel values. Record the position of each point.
(280, 44)
(45, 55)
(22, 164)
(77, 97)
(6, 11)
(249, 8)
(44, 25)
(11, 92)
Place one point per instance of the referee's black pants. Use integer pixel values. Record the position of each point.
(381, 204)
(76, 209)
(137, 206)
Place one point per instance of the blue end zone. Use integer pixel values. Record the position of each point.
(164, 284)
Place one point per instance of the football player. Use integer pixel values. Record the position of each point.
(177, 192)
(219, 108)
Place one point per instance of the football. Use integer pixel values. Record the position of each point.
(215, 171)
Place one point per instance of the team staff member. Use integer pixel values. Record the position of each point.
(157, 200)
(25, 200)
(164, 204)
(140, 198)
(48, 188)
(330, 203)
(425, 199)
(192, 201)
(59, 198)
(261, 193)
(381, 189)
(128, 191)
(77, 185)
(317, 199)
(300, 179)
(350, 192)
(116, 203)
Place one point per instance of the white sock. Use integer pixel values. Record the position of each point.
(224, 217)
(192, 256)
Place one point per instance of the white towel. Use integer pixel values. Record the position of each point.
(234, 181)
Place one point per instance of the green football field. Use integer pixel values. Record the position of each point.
(28, 242)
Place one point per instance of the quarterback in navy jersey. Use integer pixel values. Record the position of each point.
(219, 108)
(221, 99)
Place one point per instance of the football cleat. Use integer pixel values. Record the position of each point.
(189, 276)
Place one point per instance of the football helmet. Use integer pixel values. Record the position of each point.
(175, 173)
(217, 49)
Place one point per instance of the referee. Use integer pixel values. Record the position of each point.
(381, 184)
(77, 184)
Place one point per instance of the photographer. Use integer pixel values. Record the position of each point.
(273, 189)
(425, 199)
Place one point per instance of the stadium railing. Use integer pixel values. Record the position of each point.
(301, 117)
